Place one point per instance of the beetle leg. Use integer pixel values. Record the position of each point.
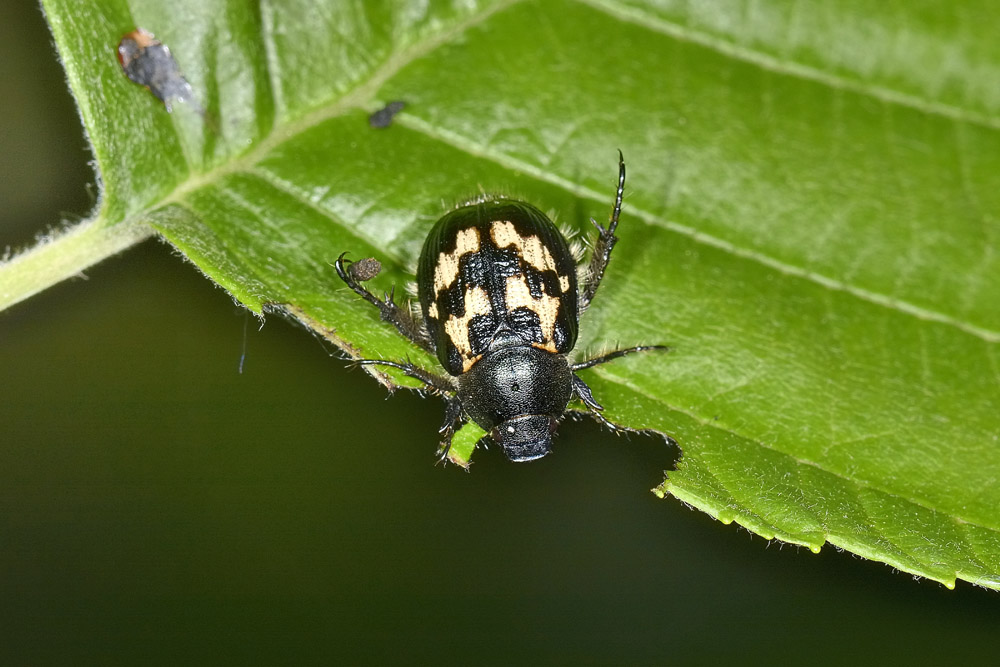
(452, 406)
(452, 417)
(610, 424)
(583, 392)
(604, 244)
(581, 389)
(401, 318)
(604, 358)
(436, 382)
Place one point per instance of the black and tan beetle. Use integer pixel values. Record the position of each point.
(500, 302)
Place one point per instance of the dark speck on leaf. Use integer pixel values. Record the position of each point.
(383, 117)
(365, 269)
(148, 62)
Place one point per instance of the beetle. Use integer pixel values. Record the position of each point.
(500, 302)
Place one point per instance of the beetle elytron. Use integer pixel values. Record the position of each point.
(500, 302)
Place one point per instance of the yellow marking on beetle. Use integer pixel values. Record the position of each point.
(446, 270)
(563, 284)
(530, 248)
(477, 302)
(548, 346)
(547, 307)
(432, 310)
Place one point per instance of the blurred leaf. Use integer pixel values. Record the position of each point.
(810, 223)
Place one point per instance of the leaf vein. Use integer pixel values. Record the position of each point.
(789, 67)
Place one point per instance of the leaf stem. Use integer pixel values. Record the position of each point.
(64, 254)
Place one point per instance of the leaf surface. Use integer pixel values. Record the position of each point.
(810, 217)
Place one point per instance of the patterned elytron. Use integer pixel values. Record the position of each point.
(500, 306)
(492, 271)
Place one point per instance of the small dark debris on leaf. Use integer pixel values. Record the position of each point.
(148, 62)
(383, 117)
(365, 269)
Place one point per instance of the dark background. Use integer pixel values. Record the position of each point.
(159, 506)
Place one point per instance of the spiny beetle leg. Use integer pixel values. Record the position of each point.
(604, 358)
(452, 416)
(437, 382)
(605, 243)
(401, 318)
(583, 391)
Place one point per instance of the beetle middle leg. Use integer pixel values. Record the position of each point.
(604, 358)
(438, 383)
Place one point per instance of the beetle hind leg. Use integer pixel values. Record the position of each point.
(401, 318)
(604, 244)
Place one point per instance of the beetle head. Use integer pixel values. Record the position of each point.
(525, 438)
(517, 394)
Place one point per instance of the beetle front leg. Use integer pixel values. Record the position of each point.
(452, 419)
(582, 391)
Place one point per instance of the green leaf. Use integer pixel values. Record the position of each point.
(464, 443)
(810, 217)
